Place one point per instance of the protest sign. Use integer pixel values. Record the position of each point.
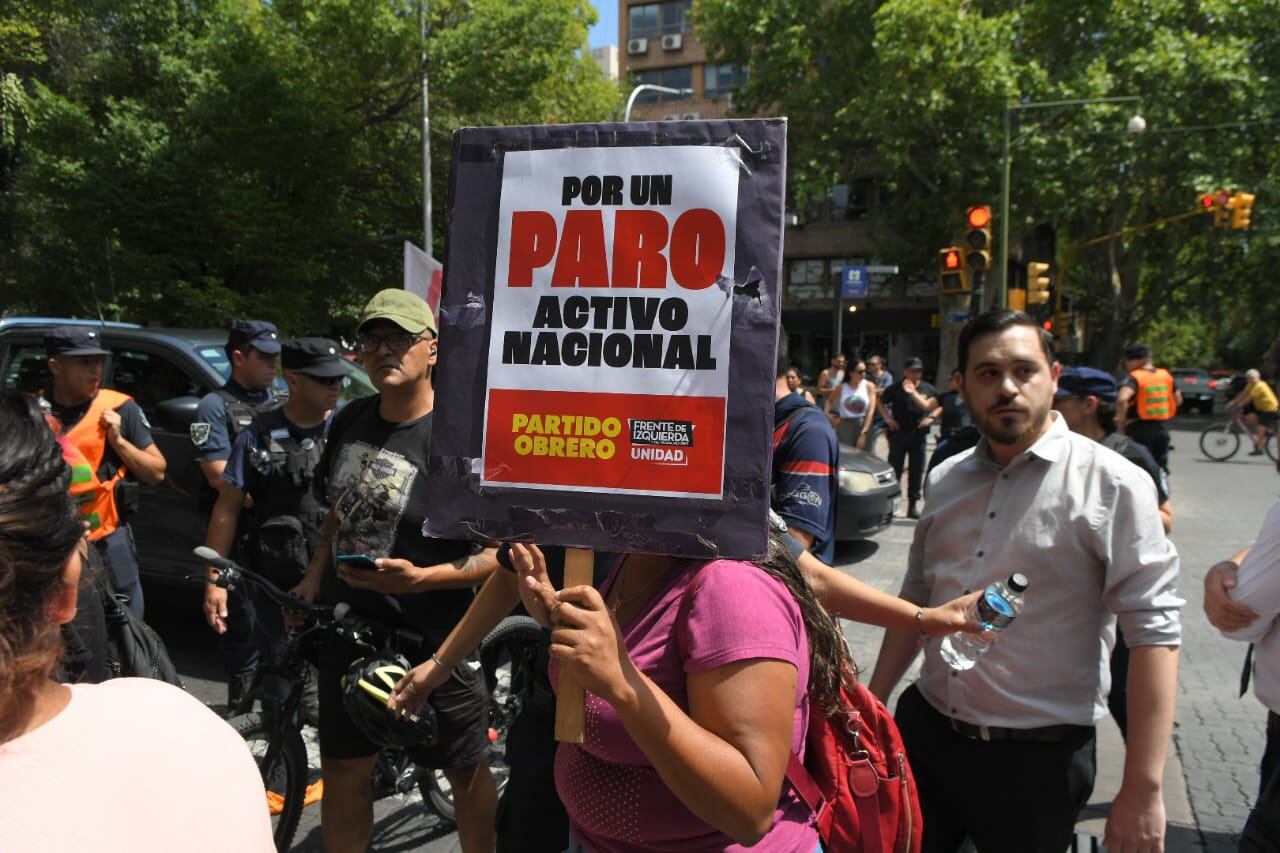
(608, 329)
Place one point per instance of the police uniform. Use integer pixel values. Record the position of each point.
(223, 414)
(274, 460)
(98, 481)
(1153, 403)
(221, 417)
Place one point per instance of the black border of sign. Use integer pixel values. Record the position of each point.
(734, 525)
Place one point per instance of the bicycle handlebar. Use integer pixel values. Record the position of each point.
(229, 573)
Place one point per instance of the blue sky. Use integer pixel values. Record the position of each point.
(606, 29)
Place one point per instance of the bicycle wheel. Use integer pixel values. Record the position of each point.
(504, 656)
(1220, 442)
(1270, 445)
(286, 777)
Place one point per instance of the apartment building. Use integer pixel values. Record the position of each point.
(897, 317)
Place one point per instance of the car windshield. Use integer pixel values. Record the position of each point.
(355, 385)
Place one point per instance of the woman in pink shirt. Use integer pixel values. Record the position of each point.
(128, 765)
(696, 697)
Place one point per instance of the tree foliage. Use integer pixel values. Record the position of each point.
(914, 91)
(185, 162)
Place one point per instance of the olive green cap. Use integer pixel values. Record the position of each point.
(407, 310)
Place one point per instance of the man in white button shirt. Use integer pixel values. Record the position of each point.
(1250, 614)
(1004, 752)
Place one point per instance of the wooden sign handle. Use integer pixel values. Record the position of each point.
(570, 698)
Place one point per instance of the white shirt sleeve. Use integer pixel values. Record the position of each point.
(1258, 581)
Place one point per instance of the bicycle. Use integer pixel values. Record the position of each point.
(1221, 441)
(274, 734)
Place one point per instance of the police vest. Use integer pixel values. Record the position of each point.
(240, 413)
(93, 485)
(1154, 400)
(284, 522)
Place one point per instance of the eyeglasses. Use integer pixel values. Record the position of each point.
(397, 342)
(327, 381)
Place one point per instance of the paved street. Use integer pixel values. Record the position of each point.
(1213, 769)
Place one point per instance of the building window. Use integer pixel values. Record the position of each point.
(676, 17)
(651, 20)
(643, 21)
(680, 77)
(719, 80)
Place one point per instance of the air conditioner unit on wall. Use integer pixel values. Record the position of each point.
(691, 116)
(672, 41)
(635, 46)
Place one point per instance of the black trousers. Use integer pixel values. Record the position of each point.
(1006, 795)
(1154, 436)
(908, 446)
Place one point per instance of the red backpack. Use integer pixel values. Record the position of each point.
(855, 776)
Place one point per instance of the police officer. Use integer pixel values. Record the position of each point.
(273, 462)
(252, 348)
(1148, 397)
(109, 437)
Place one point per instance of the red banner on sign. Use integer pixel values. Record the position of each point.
(609, 442)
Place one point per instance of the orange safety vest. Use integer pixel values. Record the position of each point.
(84, 446)
(1155, 399)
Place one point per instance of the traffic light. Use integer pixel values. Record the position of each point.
(1241, 210)
(1017, 299)
(1038, 283)
(951, 270)
(1221, 208)
(978, 237)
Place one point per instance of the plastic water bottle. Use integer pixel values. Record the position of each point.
(994, 610)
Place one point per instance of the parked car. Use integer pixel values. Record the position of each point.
(1198, 388)
(166, 371)
(869, 495)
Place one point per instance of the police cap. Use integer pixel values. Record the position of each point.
(258, 334)
(1087, 382)
(319, 357)
(73, 340)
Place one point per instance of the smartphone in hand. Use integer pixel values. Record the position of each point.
(358, 561)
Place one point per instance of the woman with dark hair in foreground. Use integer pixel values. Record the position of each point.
(131, 764)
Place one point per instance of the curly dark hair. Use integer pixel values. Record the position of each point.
(830, 664)
(39, 529)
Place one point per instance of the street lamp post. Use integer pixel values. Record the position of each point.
(1137, 124)
(650, 87)
(426, 137)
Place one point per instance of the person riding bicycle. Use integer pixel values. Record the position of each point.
(372, 555)
(1260, 408)
(1148, 398)
(273, 462)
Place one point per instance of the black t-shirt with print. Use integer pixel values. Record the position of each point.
(371, 474)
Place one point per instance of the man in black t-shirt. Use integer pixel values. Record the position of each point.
(909, 407)
(371, 477)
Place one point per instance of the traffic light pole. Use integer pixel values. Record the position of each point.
(1003, 257)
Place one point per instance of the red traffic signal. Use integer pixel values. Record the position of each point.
(951, 259)
(979, 216)
(1207, 201)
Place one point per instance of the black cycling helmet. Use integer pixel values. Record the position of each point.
(365, 690)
